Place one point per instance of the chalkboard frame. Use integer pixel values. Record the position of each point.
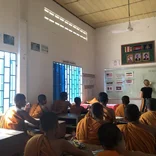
(130, 52)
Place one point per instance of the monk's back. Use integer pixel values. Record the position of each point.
(149, 118)
(138, 138)
(13, 120)
(76, 109)
(60, 105)
(109, 114)
(40, 145)
(120, 111)
(87, 129)
(35, 111)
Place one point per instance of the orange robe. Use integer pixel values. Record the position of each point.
(86, 131)
(120, 110)
(60, 106)
(138, 139)
(149, 118)
(108, 153)
(109, 114)
(94, 100)
(12, 120)
(39, 146)
(36, 111)
(77, 110)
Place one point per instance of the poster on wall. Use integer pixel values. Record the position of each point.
(44, 49)
(118, 88)
(109, 88)
(8, 39)
(129, 75)
(109, 83)
(119, 82)
(135, 53)
(109, 75)
(35, 46)
(119, 76)
(116, 63)
(129, 82)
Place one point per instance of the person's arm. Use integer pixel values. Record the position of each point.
(69, 104)
(141, 94)
(70, 149)
(31, 120)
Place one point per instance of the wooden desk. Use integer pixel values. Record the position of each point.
(12, 142)
(70, 119)
(62, 129)
(61, 133)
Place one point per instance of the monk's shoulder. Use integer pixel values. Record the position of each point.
(22, 113)
(122, 126)
(138, 153)
(145, 115)
(34, 139)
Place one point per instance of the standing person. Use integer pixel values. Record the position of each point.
(61, 106)
(120, 110)
(109, 113)
(146, 93)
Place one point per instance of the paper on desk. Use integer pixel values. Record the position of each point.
(97, 151)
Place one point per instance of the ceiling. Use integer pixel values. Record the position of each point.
(99, 13)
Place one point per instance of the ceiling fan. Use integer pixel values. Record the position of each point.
(130, 28)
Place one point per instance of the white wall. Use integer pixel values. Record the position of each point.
(62, 46)
(108, 48)
(9, 23)
(108, 45)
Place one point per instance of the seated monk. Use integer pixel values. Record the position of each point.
(113, 142)
(61, 106)
(77, 109)
(108, 112)
(94, 100)
(37, 110)
(120, 110)
(87, 128)
(47, 144)
(138, 137)
(14, 117)
(149, 118)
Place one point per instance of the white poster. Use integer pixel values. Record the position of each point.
(129, 74)
(109, 88)
(109, 75)
(118, 88)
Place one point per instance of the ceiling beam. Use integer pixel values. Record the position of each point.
(73, 14)
(120, 6)
(71, 2)
(124, 18)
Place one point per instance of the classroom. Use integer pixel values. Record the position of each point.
(77, 77)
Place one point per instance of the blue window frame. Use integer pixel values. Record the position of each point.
(7, 80)
(67, 78)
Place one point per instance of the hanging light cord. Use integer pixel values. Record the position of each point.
(129, 10)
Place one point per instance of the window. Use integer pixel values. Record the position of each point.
(65, 24)
(67, 78)
(7, 80)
